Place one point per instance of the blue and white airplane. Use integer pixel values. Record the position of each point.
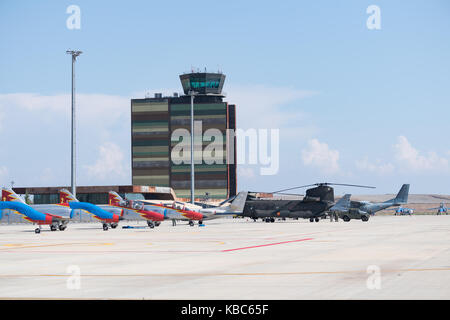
(442, 209)
(402, 211)
(14, 209)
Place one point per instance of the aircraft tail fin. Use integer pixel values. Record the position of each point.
(237, 205)
(10, 195)
(402, 195)
(114, 198)
(65, 196)
(343, 204)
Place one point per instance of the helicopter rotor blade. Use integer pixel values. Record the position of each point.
(308, 185)
(289, 194)
(349, 185)
(325, 184)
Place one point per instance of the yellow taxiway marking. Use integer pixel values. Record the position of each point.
(23, 246)
(222, 274)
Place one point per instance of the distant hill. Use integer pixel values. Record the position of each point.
(413, 198)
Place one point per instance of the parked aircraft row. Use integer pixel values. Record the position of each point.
(14, 209)
(318, 203)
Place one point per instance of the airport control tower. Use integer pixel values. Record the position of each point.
(153, 120)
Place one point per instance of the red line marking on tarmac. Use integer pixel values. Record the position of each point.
(265, 245)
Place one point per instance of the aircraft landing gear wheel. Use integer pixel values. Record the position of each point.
(267, 220)
(191, 223)
(316, 219)
(200, 222)
(311, 219)
(272, 220)
(105, 227)
(113, 226)
(346, 218)
(37, 230)
(255, 219)
(150, 224)
(53, 228)
(62, 227)
(157, 224)
(364, 218)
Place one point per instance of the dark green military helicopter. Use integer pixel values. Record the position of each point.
(313, 206)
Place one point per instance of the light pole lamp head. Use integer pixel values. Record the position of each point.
(74, 53)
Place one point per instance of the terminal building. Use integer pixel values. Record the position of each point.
(153, 120)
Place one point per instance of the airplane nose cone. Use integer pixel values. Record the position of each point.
(198, 216)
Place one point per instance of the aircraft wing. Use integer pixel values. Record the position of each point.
(59, 218)
(343, 204)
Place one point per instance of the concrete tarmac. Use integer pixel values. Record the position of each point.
(388, 257)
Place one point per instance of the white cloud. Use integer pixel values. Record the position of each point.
(47, 177)
(109, 165)
(378, 167)
(411, 158)
(320, 156)
(3, 176)
(89, 107)
(2, 117)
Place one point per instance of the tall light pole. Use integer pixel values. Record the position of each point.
(192, 94)
(74, 54)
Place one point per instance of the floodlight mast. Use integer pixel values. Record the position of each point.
(74, 54)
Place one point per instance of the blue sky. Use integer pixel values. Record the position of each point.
(371, 104)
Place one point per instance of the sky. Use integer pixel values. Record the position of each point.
(351, 104)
